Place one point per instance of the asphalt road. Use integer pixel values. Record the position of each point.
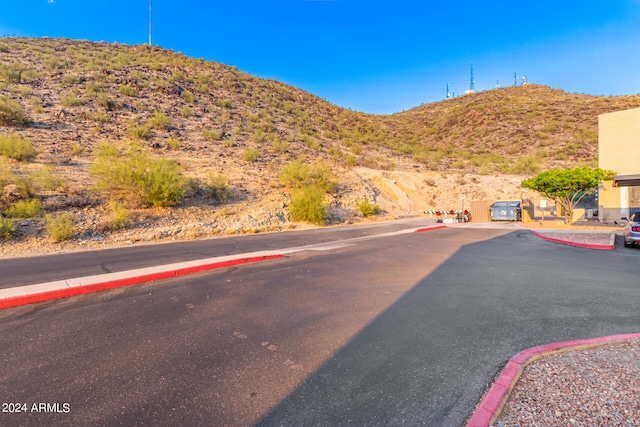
(32, 270)
(407, 330)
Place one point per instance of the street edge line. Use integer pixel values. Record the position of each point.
(126, 281)
(432, 227)
(491, 405)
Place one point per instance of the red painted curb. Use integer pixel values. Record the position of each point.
(111, 284)
(489, 409)
(433, 227)
(600, 246)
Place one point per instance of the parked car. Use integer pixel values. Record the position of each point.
(632, 230)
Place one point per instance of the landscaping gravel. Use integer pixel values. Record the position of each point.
(598, 386)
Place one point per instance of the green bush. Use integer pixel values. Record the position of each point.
(5, 172)
(60, 227)
(218, 186)
(11, 113)
(306, 205)
(298, 174)
(36, 104)
(250, 154)
(120, 215)
(17, 148)
(24, 209)
(77, 149)
(127, 90)
(187, 96)
(137, 131)
(164, 183)
(132, 173)
(212, 134)
(159, 121)
(280, 146)
(223, 103)
(187, 111)
(71, 100)
(367, 208)
(69, 80)
(7, 228)
(173, 143)
(46, 179)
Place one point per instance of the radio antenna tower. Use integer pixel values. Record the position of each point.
(515, 79)
(472, 83)
(150, 27)
(448, 96)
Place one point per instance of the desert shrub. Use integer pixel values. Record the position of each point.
(306, 205)
(103, 100)
(120, 215)
(258, 136)
(7, 228)
(17, 148)
(212, 134)
(218, 186)
(164, 184)
(526, 165)
(46, 179)
(280, 146)
(36, 104)
(92, 89)
(173, 143)
(77, 149)
(72, 100)
(187, 111)
(24, 184)
(24, 209)
(11, 113)
(367, 208)
(139, 131)
(132, 173)
(250, 154)
(5, 172)
(69, 80)
(60, 227)
(223, 103)
(298, 174)
(187, 96)
(127, 90)
(159, 121)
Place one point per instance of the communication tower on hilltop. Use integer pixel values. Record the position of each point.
(150, 22)
(448, 96)
(472, 83)
(515, 79)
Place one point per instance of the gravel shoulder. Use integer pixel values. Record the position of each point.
(597, 386)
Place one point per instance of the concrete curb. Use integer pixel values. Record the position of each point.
(491, 405)
(431, 227)
(23, 295)
(599, 246)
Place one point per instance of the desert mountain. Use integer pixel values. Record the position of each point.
(216, 119)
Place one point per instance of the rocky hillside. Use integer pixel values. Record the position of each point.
(213, 118)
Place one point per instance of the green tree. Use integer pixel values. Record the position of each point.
(567, 186)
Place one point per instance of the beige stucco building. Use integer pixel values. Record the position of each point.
(619, 151)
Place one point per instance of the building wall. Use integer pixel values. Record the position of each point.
(619, 151)
(618, 137)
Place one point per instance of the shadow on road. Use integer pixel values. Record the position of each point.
(428, 358)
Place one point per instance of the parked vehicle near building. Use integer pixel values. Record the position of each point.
(632, 230)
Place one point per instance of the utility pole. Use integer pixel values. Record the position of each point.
(150, 28)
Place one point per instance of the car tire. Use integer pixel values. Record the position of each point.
(628, 245)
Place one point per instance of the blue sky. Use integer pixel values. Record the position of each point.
(373, 56)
